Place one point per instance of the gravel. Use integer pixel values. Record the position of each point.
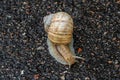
(23, 48)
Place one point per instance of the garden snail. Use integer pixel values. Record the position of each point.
(59, 27)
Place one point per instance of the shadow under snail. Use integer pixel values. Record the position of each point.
(59, 27)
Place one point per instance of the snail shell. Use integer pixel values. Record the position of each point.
(59, 27)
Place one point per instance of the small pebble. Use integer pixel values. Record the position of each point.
(87, 78)
(36, 76)
(40, 48)
(62, 77)
(22, 72)
(110, 62)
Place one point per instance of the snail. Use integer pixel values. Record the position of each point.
(59, 27)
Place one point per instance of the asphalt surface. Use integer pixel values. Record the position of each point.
(23, 48)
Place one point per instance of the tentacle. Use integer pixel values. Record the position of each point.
(77, 57)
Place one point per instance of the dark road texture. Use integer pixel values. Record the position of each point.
(24, 53)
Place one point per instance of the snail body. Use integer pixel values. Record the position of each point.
(59, 27)
(53, 49)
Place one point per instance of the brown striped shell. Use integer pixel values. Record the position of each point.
(61, 28)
